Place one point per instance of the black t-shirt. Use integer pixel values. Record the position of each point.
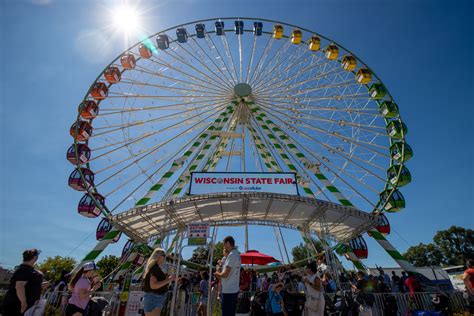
(159, 275)
(33, 278)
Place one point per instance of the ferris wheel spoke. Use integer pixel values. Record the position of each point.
(261, 59)
(226, 80)
(228, 51)
(277, 58)
(217, 77)
(252, 56)
(240, 58)
(331, 149)
(156, 147)
(213, 48)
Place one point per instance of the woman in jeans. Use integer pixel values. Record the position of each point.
(155, 284)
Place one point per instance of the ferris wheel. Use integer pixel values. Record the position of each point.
(239, 95)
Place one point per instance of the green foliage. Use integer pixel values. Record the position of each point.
(450, 247)
(53, 266)
(300, 252)
(201, 253)
(107, 264)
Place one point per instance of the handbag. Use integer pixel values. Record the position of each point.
(37, 309)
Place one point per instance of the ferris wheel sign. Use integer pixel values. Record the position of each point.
(223, 182)
(197, 233)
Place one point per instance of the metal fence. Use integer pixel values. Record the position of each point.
(187, 303)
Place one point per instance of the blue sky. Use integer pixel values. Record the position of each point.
(53, 50)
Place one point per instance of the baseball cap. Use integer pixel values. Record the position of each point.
(90, 266)
(30, 253)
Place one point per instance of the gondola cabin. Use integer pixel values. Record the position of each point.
(77, 183)
(162, 41)
(388, 109)
(127, 248)
(144, 51)
(359, 247)
(182, 35)
(257, 28)
(81, 131)
(383, 226)
(332, 51)
(377, 91)
(88, 207)
(99, 91)
(128, 61)
(401, 151)
(349, 62)
(396, 129)
(200, 30)
(88, 109)
(393, 203)
(112, 74)
(296, 36)
(80, 157)
(219, 27)
(314, 43)
(277, 31)
(239, 27)
(104, 228)
(363, 76)
(398, 180)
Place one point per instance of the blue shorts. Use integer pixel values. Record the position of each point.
(152, 301)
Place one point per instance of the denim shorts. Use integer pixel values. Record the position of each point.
(152, 301)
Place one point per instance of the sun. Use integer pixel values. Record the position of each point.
(126, 18)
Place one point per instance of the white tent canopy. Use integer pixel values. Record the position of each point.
(223, 209)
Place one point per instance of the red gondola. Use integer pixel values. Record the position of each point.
(81, 131)
(128, 247)
(103, 228)
(128, 61)
(87, 206)
(75, 180)
(99, 91)
(112, 74)
(383, 226)
(359, 247)
(144, 51)
(83, 154)
(88, 109)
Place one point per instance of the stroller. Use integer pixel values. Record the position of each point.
(342, 304)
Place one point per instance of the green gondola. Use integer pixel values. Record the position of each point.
(393, 204)
(398, 180)
(388, 109)
(396, 152)
(377, 91)
(396, 129)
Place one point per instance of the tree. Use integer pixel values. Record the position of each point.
(456, 244)
(201, 254)
(300, 252)
(107, 264)
(450, 247)
(52, 267)
(424, 255)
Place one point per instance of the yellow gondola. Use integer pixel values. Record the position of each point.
(349, 63)
(332, 51)
(314, 43)
(277, 31)
(363, 76)
(296, 36)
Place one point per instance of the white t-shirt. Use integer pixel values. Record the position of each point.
(231, 283)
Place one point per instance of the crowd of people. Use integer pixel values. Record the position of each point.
(225, 285)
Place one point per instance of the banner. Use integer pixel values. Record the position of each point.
(219, 182)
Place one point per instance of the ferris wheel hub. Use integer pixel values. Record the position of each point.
(242, 90)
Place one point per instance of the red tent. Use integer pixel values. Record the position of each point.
(255, 257)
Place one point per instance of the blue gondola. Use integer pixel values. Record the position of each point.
(219, 28)
(239, 27)
(162, 41)
(200, 30)
(182, 35)
(257, 28)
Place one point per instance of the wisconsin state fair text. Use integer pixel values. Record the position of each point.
(232, 180)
